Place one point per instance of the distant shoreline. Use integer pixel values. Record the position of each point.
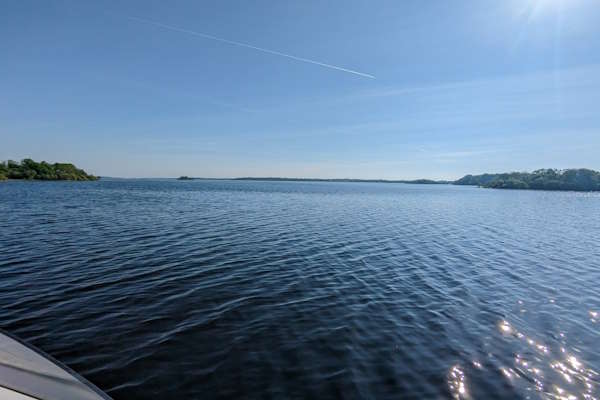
(278, 179)
(579, 180)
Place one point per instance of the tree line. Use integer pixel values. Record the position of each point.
(542, 179)
(31, 170)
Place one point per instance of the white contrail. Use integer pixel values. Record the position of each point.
(277, 53)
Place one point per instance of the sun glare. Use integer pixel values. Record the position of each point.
(539, 7)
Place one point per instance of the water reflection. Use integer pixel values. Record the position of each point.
(554, 375)
(456, 383)
(254, 290)
(537, 370)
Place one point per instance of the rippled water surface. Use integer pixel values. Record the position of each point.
(230, 289)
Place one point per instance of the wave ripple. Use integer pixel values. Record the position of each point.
(233, 289)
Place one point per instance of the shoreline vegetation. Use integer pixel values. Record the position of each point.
(581, 180)
(42, 171)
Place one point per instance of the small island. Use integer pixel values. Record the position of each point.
(185, 178)
(581, 180)
(43, 171)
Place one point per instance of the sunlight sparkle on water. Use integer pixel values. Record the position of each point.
(505, 327)
(575, 379)
(456, 383)
(576, 364)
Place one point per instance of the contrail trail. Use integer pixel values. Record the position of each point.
(249, 46)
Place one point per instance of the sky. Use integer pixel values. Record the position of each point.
(328, 89)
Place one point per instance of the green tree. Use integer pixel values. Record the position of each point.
(541, 179)
(29, 169)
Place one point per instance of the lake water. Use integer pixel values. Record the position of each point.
(230, 289)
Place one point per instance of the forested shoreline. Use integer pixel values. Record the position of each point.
(32, 170)
(581, 179)
(542, 179)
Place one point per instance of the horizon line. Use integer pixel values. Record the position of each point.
(278, 178)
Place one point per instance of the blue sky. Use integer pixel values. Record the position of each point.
(460, 87)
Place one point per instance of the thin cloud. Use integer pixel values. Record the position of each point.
(240, 44)
(574, 77)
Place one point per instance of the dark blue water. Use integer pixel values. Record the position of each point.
(224, 289)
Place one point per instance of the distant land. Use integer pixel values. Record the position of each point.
(582, 180)
(419, 181)
(43, 171)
